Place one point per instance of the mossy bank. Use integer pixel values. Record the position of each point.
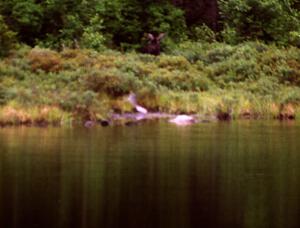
(250, 80)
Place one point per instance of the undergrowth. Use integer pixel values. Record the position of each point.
(249, 80)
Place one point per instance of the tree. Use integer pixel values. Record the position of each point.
(7, 38)
(268, 20)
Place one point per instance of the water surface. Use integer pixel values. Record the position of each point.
(239, 174)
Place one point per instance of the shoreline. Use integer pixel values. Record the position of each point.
(135, 118)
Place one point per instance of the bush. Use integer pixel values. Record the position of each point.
(230, 35)
(7, 38)
(44, 59)
(290, 73)
(219, 54)
(3, 95)
(173, 63)
(266, 86)
(202, 33)
(78, 100)
(234, 71)
(112, 82)
(282, 64)
(12, 72)
(178, 80)
(290, 96)
(294, 38)
(268, 20)
(192, 51)
(92, 36)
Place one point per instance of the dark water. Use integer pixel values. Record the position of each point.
(240, 174)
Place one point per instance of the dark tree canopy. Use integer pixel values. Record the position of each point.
(200, 11)
(123, 23)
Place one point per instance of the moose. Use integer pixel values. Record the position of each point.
(153, 45)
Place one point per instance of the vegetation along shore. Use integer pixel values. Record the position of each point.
(250, 80)
(63, 63)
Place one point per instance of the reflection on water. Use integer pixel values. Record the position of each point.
(244, 174)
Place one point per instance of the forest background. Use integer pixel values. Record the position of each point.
(123, 23)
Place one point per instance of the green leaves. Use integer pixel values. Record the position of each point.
(122, 24)
(7, 38)
(27, 13)
(92, 36)
(168, 19)
(268, 20)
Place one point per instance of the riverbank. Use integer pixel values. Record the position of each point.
(250, 80)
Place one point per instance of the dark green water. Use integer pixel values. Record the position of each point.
(240, 174)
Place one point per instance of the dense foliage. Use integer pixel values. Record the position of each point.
(7, 38)
(248, 80)
(116, 23)
(268, 20)
(123, 23)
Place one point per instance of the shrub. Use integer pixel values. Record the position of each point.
(78, 101)
(234, 71)
(282, 64)
(290, 73)
(44, 59)
(202, 33)
(192, 51)
(136, 67)
(3, 95)
(265, 86)
(290, 96)
(92, 36)
(178, 80)
(12, 72)
(112, 82)
(173, 63)
(219, 54)
(294, 38)
(230, 35)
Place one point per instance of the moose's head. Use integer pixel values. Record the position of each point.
(153, 46)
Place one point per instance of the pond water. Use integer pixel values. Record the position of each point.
(238, 174)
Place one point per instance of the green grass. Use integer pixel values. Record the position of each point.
(250, 80)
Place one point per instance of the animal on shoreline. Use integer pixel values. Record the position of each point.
(183, 120)
(132, 99)
(153, 45)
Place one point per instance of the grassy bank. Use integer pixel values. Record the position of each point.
(250, 80)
